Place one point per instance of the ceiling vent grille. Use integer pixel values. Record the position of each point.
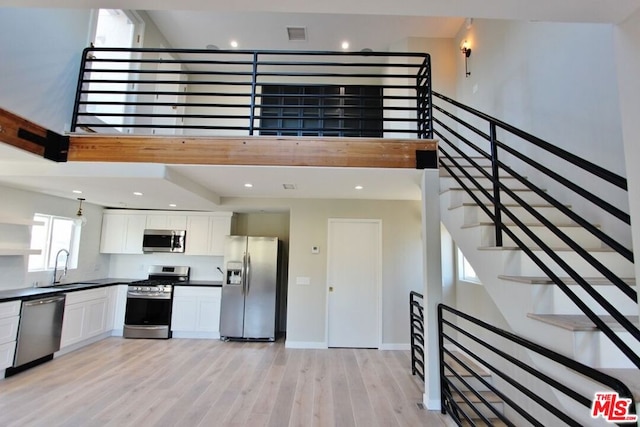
(297, 34)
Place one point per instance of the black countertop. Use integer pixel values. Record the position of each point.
(34, 293)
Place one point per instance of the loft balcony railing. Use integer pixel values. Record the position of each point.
(239, 93)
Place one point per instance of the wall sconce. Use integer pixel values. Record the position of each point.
(466, 51)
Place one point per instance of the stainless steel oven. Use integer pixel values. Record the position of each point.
(148, 311)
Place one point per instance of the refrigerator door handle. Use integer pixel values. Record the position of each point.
(248, 271)
(243, 281)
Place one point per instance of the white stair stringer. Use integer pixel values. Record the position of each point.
(496, 267)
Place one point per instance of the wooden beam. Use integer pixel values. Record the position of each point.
(10, 125)
(263, 150)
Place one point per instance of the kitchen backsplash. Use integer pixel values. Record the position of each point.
(136, 266)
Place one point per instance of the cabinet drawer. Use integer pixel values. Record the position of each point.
(10, 309)
(9, 329)
(6, 354)
(88, 295)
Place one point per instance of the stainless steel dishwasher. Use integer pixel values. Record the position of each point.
(40, 330)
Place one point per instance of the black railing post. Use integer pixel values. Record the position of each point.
(429, 98)
(254, 78)
(495, 172)
(76, 104)
(441, 360)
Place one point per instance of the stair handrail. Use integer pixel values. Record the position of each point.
(498, 187)
(449, 404)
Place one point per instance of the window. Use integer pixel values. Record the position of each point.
(465, 270)
(345, 111)
(55, 234)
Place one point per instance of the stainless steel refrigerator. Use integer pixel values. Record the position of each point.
(249, 288)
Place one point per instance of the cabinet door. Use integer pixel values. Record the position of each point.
(114, 227)
(184, 313)
(120, 306)
(167, 222)
(95, 318)
(197, 235)
(157, 222)
(72, 325)
(219, 228)
(208, 314)
(134, 232)
(7, 352)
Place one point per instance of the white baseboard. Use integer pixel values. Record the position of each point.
(196, 335)
(396, 346)
(433, 404)
(78, 345)
(305, 344)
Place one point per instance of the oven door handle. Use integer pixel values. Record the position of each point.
(141, 295)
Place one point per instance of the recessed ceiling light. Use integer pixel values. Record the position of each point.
(173, 205)
(248, 185)
(345, 45)
(359, 187)
(137, 193)
(77, 192)
(234, 44)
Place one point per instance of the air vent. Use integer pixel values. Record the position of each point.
(289, 186)
(297, 34)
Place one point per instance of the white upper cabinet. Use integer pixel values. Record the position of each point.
(167, 222)
(206, 234)
(122, 231)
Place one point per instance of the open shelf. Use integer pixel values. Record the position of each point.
(19, 251)
(18, 221)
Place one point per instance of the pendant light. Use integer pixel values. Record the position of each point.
(82, 220)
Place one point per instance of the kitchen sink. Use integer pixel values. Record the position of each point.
(72, 285)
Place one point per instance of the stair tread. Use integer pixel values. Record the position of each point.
(490, 396)
(515, 190)
(528, 224)
(544, 280)
(458, 369)
(495, 422)
(510, 205)
(535, 248)
(579, 322)
(629, 376)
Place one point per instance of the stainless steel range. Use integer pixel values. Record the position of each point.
(148, 312)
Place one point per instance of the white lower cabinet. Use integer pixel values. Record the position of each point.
(9, 320)
(196, 312)
(119, 295)
(85, 315)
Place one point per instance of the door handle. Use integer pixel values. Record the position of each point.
(330, 288)
(248, 278)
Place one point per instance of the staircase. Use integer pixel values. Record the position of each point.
(531, 303)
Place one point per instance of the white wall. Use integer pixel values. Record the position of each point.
(558, 82)
(41, 51)
(23, 204)
(401, 264)
(137, 266)
(627, 37)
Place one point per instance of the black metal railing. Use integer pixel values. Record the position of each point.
(458, 138)
(416, 320)
(205, 92)
(490, 379)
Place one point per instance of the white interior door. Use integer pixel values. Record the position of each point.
(354, 283)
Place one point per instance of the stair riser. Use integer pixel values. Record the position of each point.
(561, 304)
(447, 182)
(458, 197)
(473, 382)
(474, 215)
(518, 263)
(577, 234)
(482, 408)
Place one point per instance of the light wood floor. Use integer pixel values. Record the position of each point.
(180, 382)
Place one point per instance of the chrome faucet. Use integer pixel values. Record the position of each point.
(55, 267)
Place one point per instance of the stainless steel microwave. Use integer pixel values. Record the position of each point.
(163, 241)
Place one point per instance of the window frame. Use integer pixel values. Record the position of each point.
(46, 244)
(462, 266)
